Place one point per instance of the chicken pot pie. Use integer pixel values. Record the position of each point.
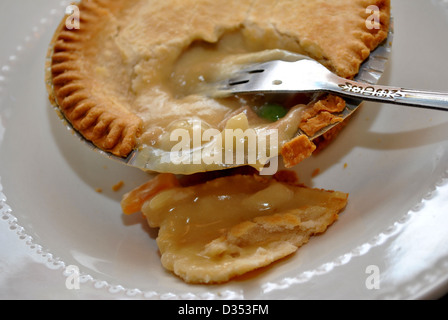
(132, 75)
(128, 77)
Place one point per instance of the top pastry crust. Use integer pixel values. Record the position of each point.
(117, 78)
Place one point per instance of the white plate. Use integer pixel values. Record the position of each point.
(392, 160)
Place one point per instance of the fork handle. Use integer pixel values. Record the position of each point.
(392, 95)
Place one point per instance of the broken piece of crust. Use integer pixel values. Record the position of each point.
(224, 228)
(318, 115)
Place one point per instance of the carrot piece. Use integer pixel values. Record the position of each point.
(133, 201)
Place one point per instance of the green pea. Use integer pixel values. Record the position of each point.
(272, 112)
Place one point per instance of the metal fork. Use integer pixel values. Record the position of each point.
(308, 76)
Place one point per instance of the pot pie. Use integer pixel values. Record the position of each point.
(133, 73)
(127, 78)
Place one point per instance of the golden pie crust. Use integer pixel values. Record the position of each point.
(100, 75)
(214, 231)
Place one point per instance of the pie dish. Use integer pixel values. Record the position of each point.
(124, 80)
(370, 146)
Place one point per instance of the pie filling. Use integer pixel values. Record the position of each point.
(181, 90)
